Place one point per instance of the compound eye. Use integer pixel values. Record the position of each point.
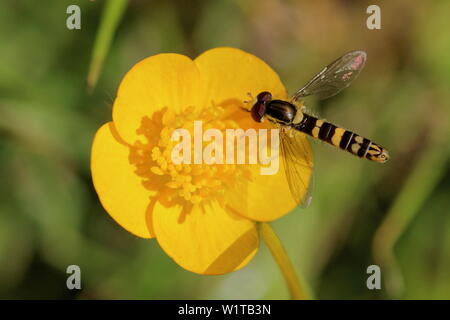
(264, 96)
(258, 111)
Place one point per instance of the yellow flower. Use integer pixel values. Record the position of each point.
(203, 216)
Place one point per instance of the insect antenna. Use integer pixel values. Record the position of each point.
(248, 102)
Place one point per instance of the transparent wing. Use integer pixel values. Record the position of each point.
(298, 164)
(333, 78)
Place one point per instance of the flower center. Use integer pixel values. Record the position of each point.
(183, 183)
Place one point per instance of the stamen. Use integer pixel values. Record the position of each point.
(192, 183)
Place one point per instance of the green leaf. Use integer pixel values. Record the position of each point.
(112, 14)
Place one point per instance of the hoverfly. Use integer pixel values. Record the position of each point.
(290, 117)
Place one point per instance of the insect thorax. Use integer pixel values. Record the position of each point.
(281, 112)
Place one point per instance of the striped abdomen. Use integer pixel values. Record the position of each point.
(341, 138)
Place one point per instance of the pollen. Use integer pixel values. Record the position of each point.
(183, 183)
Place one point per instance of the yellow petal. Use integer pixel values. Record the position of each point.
(229, 73)
(206, 240)
(164, 80)
(268, 197)
(119, 189)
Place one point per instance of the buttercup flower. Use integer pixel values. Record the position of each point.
(203, 216)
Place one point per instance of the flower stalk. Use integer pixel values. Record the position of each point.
(296, 289)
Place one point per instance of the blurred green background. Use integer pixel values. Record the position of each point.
(394, 215)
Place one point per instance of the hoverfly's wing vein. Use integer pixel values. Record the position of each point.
(333, 78)
(297, 159)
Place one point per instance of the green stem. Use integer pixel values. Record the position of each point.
(280, 255)
(416, 191)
